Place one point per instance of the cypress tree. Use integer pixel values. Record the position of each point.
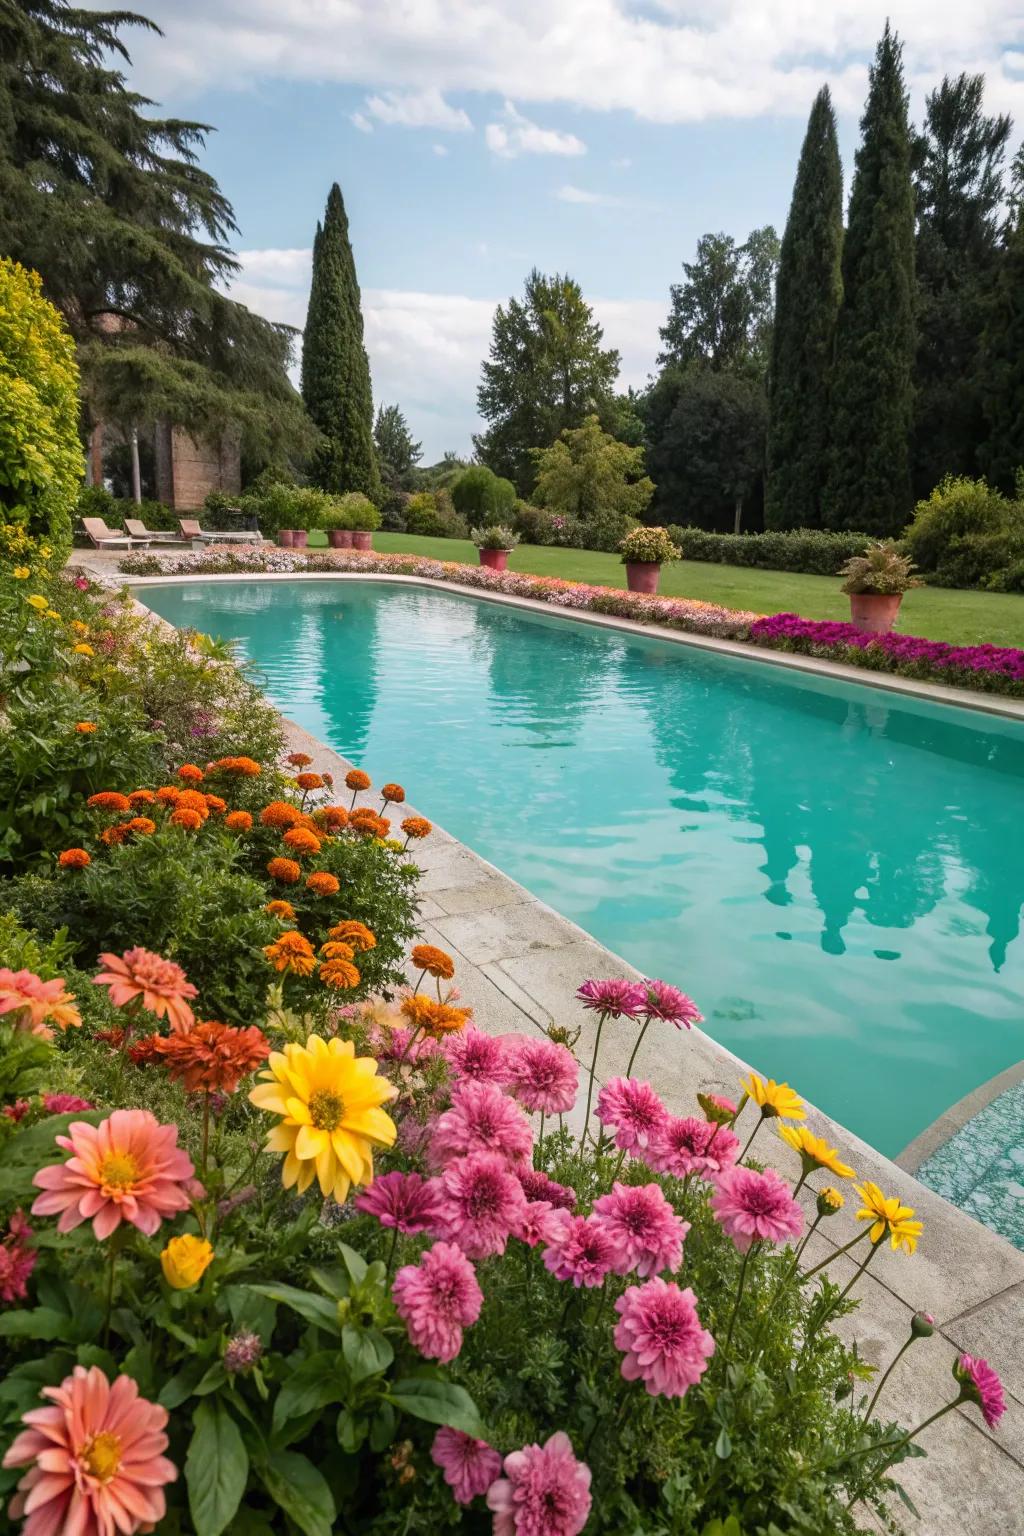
(872, 390)
(335, 369)
(1002, 370)
(808, 296)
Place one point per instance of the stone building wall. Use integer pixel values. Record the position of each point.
(188, 468)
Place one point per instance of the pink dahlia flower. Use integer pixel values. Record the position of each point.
(647, 1233)
(756, 1207)
(469, 1465)
(472, 1054)
(545, 1491)
(542, 1223)
(633, 1111)
(981, 1385)
(667, 1002)
(481, 1119)
(17, 1260)
(65, 1104)
(538, 1186)
(406, 1201)
(95, 1460)
(543, 1076)
(617, 998)
(581, 1250)
(483, 1203)
(662, 1341)
(690, 1145)
(127, 1168)
(437, 1298)
(160, 984)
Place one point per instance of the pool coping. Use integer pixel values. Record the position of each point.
(519, 963)
(953, 1119)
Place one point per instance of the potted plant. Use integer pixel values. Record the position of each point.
(495, 544)
(875, 583)
(337, 524)
(286, 537)
(361, 517)
(644, 552)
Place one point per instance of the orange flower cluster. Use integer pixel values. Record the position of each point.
(192, 800)
(416, 826)
(244, 767)
(238, 821)
(280, 813)
(434, 1018)
(299, 759)
(281, 909)
(354, 933)
(334, 949)
(333, 817)
(368, 823)
(111, 836)
(85, 727)
(142, 825)
(285, 870)
(183, 816)
(436, 962)
(291, 953)
(301, 841)
(109, 800)
(215, 804)
(191, 773)
(322, 883)
(213, 1057)
(74, 858)
(168, 794)
(141, 797)
(336, 971)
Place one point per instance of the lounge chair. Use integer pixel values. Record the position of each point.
(108, 538)
(190, 529)
(138, 530)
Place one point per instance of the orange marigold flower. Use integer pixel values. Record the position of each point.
(113, 835)
(291, 952)
(282, 909)
(192, 800)
(393, 792)
(168, 794)
(416, 826)
(141, 797)
(299, 840)
(368, 823)
(245, 767)
(184, 817)
(238, 821)
(323, 884)
(215, 804)
(434, 1018)
(339, 973)
(437, 962)
(109, 800)
(85, 727)
(354, 933)
(356, 779)
(334, 949)
(191, 773)
(299, 759)
(309, 781)
(280, 813)
(333, 817)
(285, 870)
(143, 825)
(212, 1057)
(74, 858)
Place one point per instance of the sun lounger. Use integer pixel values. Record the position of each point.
(109, 538)
(138, 530)
(190, 529)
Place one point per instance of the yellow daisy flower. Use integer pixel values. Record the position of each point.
(829, 1201)
(888, 1215)
(329, 1100)
(22, 572)
(82, 649)
(774, 1099)
(79, 628)
(38, 602)
(814, 1151)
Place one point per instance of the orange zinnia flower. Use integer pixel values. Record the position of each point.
(416, 826)
(85, 727)
(356, 779)
(215, 804)
(300, 841)
(279, 813)
(339, 973)
(309, 781)
(109, 800)
(285, 870)
(393, 792)
(245, 767)
(238, 821)
(161, 985)
(281, 909)
(323, 884)
(333, 816)
(213, 1058)
(299, 759)
(115, 834)
(184, 817)
(354, 933)
(334, 949)
(74, 858)
(168, 794)
(434, 1018)
(292, 952)
(141, 797)
(127, 1168)
(191, 773)
(436, 962)
(143, 825)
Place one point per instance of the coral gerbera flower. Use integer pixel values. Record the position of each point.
(95, 1459)
(323, 883)
(814, 1151)
(354, 933)
(161, 985)
(436, 962)
(774, 1099)
(127, 1168)
(34, 1004)
(285, 870)
(212, 1057)
(74, 858)
(291, 952)
(888, 1215)
(329, 1100)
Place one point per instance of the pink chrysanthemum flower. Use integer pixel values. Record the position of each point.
(647, 1233)
(689, 1145)
(406, 1201)
(981, 1385)
(481, 1119)
(543, 1076)
(545, 1491)
(537, 1185)
(483, 1203)
(17, 1260)
(542, 1223)
(470, 1466)
(476, 1056)
(617, 998)
(662, 1341)
(160, 984)
(95, 1462)
(582, 1251)
(634, 1112)
(127, 1168)
(666, 1002)
(65, 1104)
(756, 1207)
(437, 1298)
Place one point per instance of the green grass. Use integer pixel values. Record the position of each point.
(962, 618)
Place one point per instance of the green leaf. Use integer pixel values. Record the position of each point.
(335, 1282)
(315, 1309)
(382, 1428)
(36, 1323)
(351, 1431)
(216, 1468)
(315, 1383)
(297, 1487)
(438, 1402)
(250, 1313)
(367, 1352)
(181, 1386)
(353, 1262)
(723, 1445)
(211, 1379)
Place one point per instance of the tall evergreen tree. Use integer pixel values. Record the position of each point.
(808, 295)
(960, 195)
(335, 368)
(1002, 369)
(397, 452)
(872, 388)
(721, 316)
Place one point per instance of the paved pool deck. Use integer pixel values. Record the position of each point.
(518, 963)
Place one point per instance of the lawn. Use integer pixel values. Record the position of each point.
(963, 618)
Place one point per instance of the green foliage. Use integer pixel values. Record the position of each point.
(397, 453)
(872, 384)
(593, 479)
(721, 316)
(40, 455)
(1002, 369)
(707, 444)
(431, 514)
(965, 534)
(813, 550)
(480, 494)
(536, 525)
(652, 545)
(353, 510)
(335, 370)
(880, 570)
(809, 293)
(495, 536)
(290, 506)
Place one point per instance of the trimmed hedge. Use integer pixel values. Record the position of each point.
(809, 550)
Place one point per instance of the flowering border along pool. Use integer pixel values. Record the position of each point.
(979, 668)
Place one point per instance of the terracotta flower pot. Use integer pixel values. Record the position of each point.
(300, 538)
(874, 612)
(362, 538)
(642, 575)
(495, 559)
(286, 537)
(339, 538)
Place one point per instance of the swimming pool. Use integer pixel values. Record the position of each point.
(835, 874)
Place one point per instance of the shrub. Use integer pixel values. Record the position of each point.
(811, 550)
(479, 495)
(392, 510)
(495, 537)
(280, 506)
(648, 545)
(352, 510)
(965, 533)
(432, 515)
(879, 571)
(604, 530)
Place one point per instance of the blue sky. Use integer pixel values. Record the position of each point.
(474, 139)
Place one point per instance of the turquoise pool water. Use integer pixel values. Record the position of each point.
(835, 875)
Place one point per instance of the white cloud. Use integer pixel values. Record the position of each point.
(516, 135)
(667, 61)
(362, 122)
(440, 149)
(417, 109)
(571, 194)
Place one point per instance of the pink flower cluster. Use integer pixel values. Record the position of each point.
(17, 1259)
(756, 1207)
